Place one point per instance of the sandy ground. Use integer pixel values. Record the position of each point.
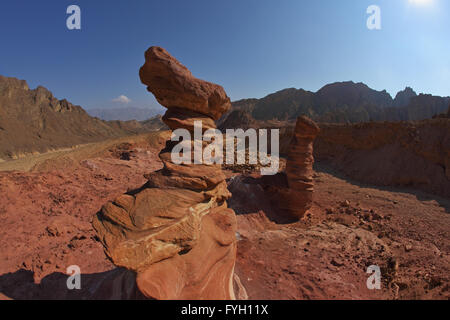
(47, 204)
(349, 228)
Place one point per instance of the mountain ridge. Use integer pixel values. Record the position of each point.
(343, 102)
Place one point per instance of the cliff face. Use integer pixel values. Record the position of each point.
(414, 154)
(299, 169)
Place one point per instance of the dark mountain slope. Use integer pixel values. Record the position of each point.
(343, 102)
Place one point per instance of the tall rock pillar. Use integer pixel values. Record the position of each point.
(176, 232)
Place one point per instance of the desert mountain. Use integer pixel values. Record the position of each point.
(35, 121)
(238, 118)
(123, 114)
(404, 97)
(154, 124)
(133, 126)
(344, 102)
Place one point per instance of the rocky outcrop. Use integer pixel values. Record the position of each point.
(291, 191)
(176, 232)
(299, 168)
(174, 86)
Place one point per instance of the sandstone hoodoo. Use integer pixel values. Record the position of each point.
(297, 198)
(176, 232)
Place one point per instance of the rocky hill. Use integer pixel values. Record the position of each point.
(238, 118)
(344, 102)
(35, 121)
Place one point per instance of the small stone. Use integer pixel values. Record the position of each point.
(345, 203)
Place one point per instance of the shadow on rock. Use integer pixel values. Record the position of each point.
(252, 195)
(117, 284)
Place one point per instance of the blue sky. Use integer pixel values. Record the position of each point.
(250, 47)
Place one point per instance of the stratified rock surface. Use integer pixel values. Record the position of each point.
(411, 154)
(296, 199)
(176, 232)
(299, 166)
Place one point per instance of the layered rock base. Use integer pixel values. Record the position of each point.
(296, 197)
(176, 232)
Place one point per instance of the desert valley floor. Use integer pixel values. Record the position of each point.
(47, 203)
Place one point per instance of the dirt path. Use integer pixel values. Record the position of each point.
(69, 156)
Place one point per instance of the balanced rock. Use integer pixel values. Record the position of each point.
(174, 86)
(176, 232)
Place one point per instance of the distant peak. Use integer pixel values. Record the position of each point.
(403, 97)
(408, 90)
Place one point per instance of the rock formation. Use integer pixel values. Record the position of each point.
(292, 191)
(299, 167)
(176, 232)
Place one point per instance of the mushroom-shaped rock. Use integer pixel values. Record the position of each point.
(174, 86)
(176, 232)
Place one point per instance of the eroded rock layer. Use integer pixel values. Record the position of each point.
(176, 232)
(296, 199)
(404, 154)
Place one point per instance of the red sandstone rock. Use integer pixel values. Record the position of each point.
(176, 232)
(174, 86)
(204, 272)
(297, 199)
